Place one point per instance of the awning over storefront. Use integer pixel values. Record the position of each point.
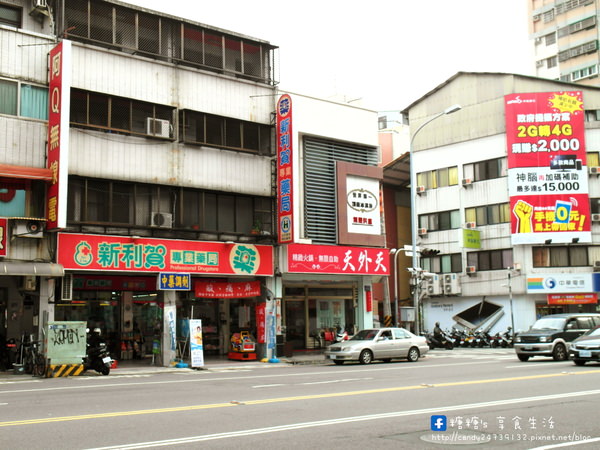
(39, 269)
(26, 173)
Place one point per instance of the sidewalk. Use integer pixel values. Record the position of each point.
(216, 363)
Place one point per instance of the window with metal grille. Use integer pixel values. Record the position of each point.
(118, 27)
(320, 210)
(108, 202)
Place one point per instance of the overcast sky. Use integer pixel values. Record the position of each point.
(387, 53)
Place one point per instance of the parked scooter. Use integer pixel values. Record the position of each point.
(341, 335)
(97, 356)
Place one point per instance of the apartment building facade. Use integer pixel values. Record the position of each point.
(565, 38)
(140, 183)
(488, 271)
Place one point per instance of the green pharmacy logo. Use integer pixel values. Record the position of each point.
(83, 254)
(244, 259)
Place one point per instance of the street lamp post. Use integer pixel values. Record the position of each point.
(396, 252)
(510, 297)
(413, 212)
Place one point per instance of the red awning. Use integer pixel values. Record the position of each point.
(27, 173)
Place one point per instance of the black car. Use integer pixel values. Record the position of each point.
(552, 335)
(586, 347)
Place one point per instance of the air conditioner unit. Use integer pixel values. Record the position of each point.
(471, 270)
(158, 127)
(29, 283)
(595, 217)
(161, 220)
(420, 190)
(40, 7)
(451, 284)
(467, 182)
(470, 225)
(66, 291)
(539, 63)
(28, 228)
(433, 286)
(422, 231)
(594, 170)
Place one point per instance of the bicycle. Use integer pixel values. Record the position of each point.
(33, 361)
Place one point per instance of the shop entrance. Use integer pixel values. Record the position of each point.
(313, 314)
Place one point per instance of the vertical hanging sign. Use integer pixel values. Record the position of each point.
(58, 133)
(547, 173)
(285, 172)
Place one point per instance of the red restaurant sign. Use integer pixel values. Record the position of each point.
(337, 259)
(127, 254)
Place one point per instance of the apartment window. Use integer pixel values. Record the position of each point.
(490, 259)
(31, 101)
(548, 16)
(10, 15)
(550, 39)
(95, 201)
(551, 62)
(8, 97)
(586, 72)
(433, 179)
(442, 263)
(488, 214)
(120, 115)
(440, 221)
(486, 170)
(595, 205)
(560, 256)
(593, 159)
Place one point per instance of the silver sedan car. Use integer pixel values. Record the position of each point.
(378, 343)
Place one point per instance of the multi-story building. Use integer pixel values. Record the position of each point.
(565, 37)
(156, 159)
(139, 170)
(506, 200)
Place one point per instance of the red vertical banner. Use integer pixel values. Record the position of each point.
(58, 134)
(261, 319)
(3, 239)
(285, 171)
(547, 168)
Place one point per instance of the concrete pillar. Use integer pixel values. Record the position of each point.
(169, 335)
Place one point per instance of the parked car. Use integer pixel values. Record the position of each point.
(378, 343)
(552, 335)
(586, 347)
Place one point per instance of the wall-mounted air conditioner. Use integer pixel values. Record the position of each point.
(422, 231)
(471, 270)
(451, 284)
(161, 220)
(158, 127)
(433, 285)
(40, 7)
(470, 225)
(28, 228)
(467, 182)
(595, 217)
(420, 190)
(594, 170)
(66, 291)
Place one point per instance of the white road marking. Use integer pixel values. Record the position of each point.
(268, 385)
(345, 420)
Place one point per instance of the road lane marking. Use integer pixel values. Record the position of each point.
(345, 420)
(287, 399)
(206, 378)
(268, 385)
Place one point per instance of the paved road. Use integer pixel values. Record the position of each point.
(484, 394)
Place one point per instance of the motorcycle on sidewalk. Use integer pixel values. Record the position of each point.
(444, 341)
(97, 356)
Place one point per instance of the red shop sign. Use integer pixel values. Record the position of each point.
(223, 289)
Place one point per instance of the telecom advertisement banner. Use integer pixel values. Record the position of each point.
(196, 346)
(547, 173)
